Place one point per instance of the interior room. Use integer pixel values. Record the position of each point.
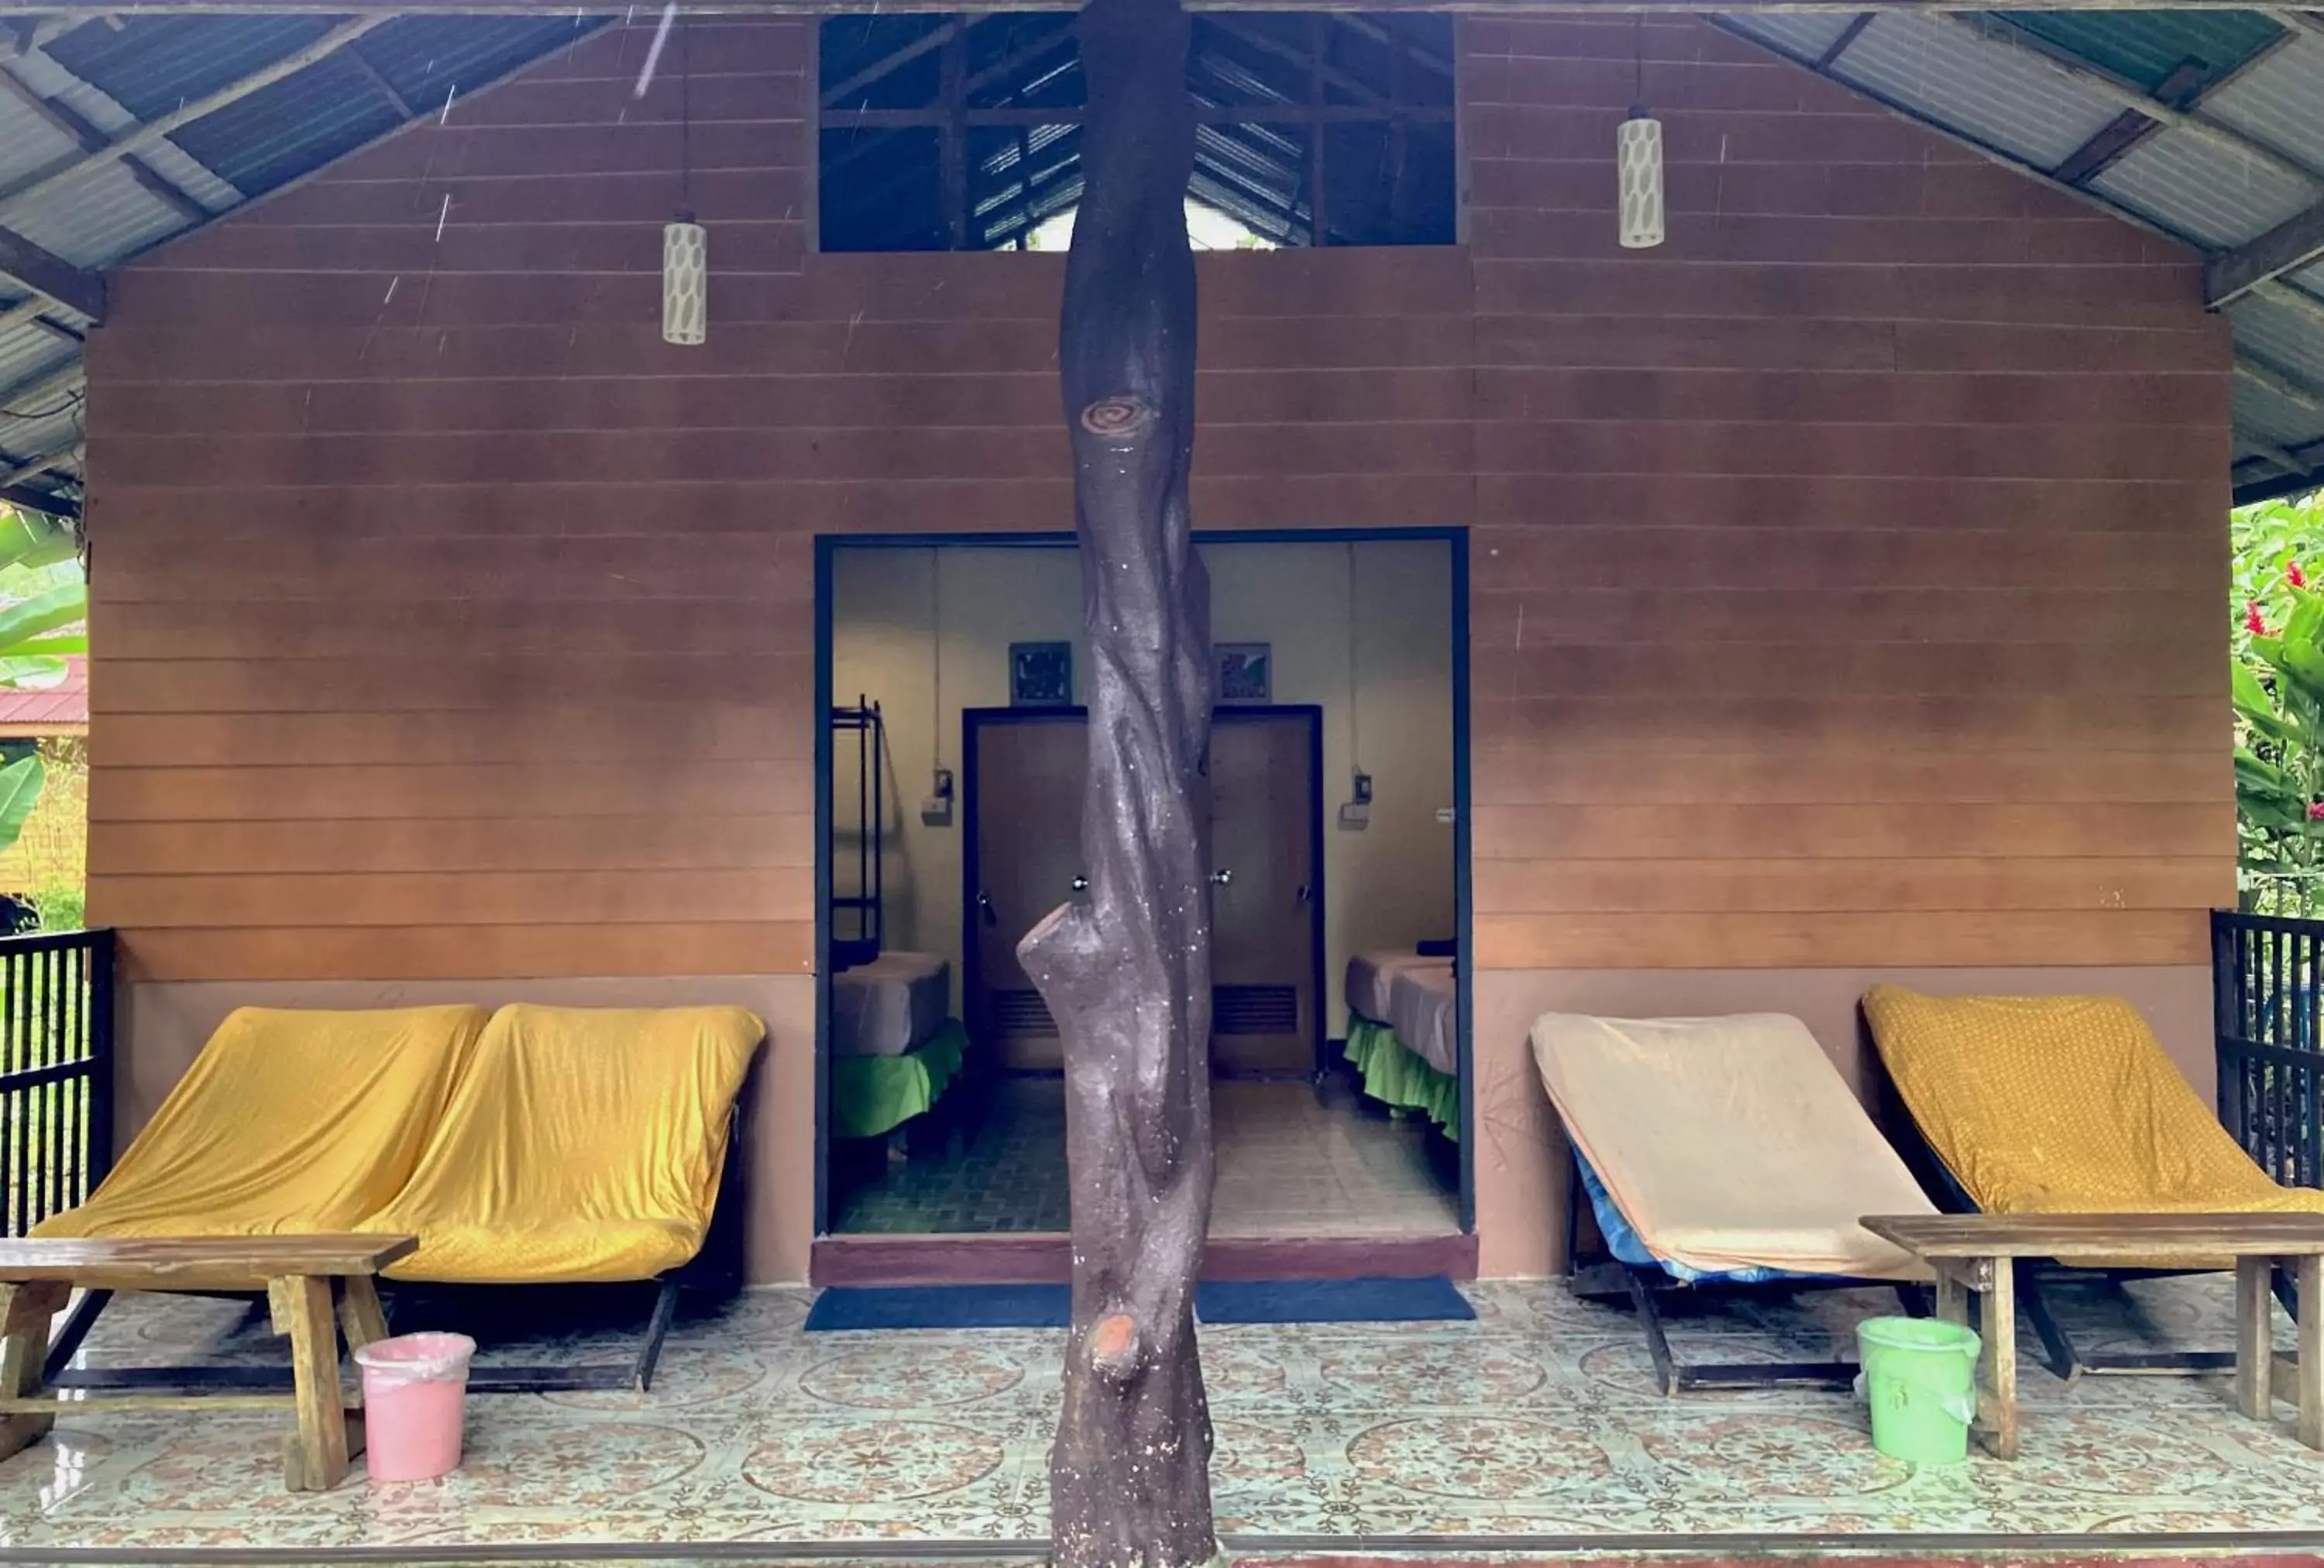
(957, 674)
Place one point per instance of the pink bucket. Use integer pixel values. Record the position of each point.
(415, 1391)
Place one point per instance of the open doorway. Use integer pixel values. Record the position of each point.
(956, 679)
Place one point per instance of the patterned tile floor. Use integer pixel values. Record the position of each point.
(1538, 1419)
(1295, 1159)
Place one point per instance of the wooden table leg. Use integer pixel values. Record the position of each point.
(24, 1313)
(316, 1460)
(2254, 1336)
(1952, 1298)
(363, 1322)
(361, 1317)
(2310, 1273)
(1998, 1362)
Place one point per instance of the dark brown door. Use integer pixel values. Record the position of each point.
(1024, 819)
(1027, 785)
(1265, 892)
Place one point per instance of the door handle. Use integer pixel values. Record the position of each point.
(1305, 895)
(985, 908)
(1222, 876)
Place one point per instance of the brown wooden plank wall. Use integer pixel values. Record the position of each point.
(1850, 569)
(1847, 574)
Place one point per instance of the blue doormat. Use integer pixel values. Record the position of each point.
(1432, 1299)
(941, 1307)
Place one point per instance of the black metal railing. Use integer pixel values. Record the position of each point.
(2268, 1018)
(56, 1072)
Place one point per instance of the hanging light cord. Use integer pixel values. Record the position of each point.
(935, 655)
(1355, 699)
(684, 118)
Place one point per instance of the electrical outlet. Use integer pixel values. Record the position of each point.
(1355, 817)
(1362, 795)
(936, 808)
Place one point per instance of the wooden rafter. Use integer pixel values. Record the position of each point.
(2183, 91)
(2262, 374)
(16, 471)
(1260, 39)
(51, 276)
(933, 39)
(154, 130)
(2192, 119)
(2295, 243)
(32, 499)
(70, 122)
(1848, 37)
(380, 84)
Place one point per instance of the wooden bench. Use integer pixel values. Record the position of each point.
(1977, 1253)
(305, 1278)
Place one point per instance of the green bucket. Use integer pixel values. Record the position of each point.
(1920, 1377)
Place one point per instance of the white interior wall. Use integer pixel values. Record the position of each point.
(1362, 630)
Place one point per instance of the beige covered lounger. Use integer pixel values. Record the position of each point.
(1732, 1152)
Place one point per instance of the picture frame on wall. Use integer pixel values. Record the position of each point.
(1040, 674)
(1243, 671)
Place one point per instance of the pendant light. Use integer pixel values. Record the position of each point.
(685, 244)
(1638, 165)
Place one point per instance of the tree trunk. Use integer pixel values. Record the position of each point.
(1127, 970)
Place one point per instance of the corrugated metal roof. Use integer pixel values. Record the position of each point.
(2236, 151)
(2206, 190)
(126, 68)
(2013, 101)
(48, 710)
(2280, 99)
(2148, 48)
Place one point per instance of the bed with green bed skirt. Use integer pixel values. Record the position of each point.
(1397, 1076)
(871, 1096)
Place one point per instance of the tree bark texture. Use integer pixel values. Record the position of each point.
(1126, 969)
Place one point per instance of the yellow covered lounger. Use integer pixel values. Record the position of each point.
(2066, 1104)
(288, 1121)
(583, 1145)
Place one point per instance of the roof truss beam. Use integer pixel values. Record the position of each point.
(890, 63)
(32, 499)
(2295, 243)
(51, 276)
(2191, 119)
(380, 84)
(67, 121)
(15, 472)
(154, 130)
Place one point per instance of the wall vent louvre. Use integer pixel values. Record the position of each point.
(1022, 1015)
(1255, 1009)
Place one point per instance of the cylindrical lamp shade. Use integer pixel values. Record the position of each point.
(1638, 157)
(684, 283)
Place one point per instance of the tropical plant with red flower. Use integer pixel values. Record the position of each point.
(2277, 670)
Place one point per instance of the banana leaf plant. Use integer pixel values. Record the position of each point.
(36, 633)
